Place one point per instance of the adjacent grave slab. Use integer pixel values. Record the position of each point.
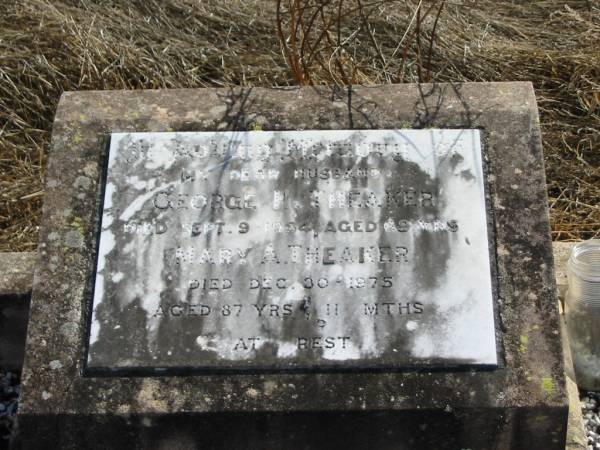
(293, 249)
(576, 433)
(16, 273)
(517, 401)
(16, 277)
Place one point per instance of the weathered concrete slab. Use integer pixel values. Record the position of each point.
(16, 273)
(576, 437)
(519, 405)
(16, 277)
(562, 252)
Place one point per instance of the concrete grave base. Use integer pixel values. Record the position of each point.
(16, 274)
(520, 405)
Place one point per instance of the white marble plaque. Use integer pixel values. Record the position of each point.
(293, 250)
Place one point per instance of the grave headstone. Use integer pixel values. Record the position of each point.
(292, 250)
(298, 268)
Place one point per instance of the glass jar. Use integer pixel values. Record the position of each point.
(582, 312)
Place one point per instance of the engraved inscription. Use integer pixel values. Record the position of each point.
(293, 250)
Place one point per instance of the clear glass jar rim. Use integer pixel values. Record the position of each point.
(585, 260)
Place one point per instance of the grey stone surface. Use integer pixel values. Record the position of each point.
(562, 251)
(576, 437)
(16, 273)
(294, 249)
(519, 405)
(16, 276)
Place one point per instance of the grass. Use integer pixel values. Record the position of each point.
(47, 47)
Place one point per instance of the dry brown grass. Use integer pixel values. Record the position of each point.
(47, 47)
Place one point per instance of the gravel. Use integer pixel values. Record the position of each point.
(9, 395)
(590, 409)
